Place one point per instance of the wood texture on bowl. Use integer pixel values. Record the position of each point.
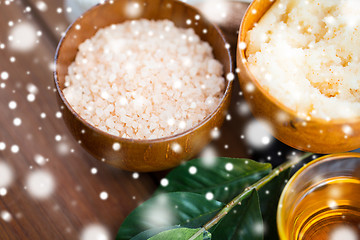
(140, 155)
(314, 135)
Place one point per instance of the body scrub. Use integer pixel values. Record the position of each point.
(306, 55)
(144, 80)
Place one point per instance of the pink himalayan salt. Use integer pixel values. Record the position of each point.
(144, 79)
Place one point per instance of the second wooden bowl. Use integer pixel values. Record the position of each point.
(314, 135)
(140, 155)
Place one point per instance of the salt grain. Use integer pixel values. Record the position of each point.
(144, 94)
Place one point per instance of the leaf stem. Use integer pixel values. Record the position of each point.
(259, 184)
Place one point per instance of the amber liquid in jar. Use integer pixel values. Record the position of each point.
(327, 207)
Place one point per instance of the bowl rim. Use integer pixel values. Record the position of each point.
(243, 61)
(173, 137)
(329, 157)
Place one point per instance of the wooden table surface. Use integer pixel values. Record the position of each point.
(45, 146)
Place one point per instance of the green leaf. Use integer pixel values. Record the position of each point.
(181, 233)
(215, 178)
(269, 198)
(169, 209)
(152, 232)
(242, 222)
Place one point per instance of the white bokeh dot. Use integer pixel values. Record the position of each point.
(95, 232)
(15, 149)
(6, 216)
(31, 88)
(104, 195)
(17, 122)
(39, 159)
(23, 37)
(171, 121)
(164, 182)
(12, 105)
(243, 108)
(229, 166)
(215, 133)
(343, 233)
(208, 156)
(242, 45)
(58, 138)
(6, 175)
(63, 148)
(2, 146)
(347, 130)
(93, 171)
(40, 184)
(230, 76)
(265, 140)
(3, 191)
(30, 97)
(175, 147)
(332, 204)
(258, 228)
(4, 75)
(258, 134)
(42, 6)
(135, 175)
(133, 9)
(116, 146)
(192, 170)
(209, 196)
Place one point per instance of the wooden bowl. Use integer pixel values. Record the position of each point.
(315, 135)
(140, 155)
